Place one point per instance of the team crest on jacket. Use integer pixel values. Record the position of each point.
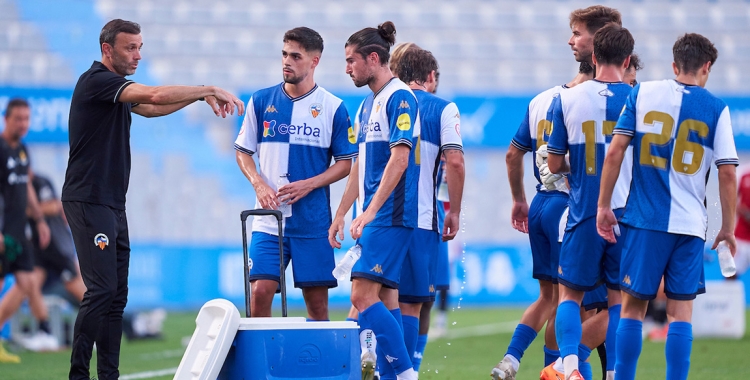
(315, 109)
(101, 241)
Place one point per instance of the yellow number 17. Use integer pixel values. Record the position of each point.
(589, 134)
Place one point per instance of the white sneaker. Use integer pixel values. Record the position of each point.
(369, 360)
(503, 371)
(39, 342)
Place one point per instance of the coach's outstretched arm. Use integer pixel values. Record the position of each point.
(605, 218)
(728, 199)
(154, 101)
(455, 174)
(350, 195)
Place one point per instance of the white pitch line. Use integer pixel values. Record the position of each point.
(480, 330)
(149, 374)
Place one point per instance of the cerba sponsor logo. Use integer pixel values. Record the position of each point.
(270, 128)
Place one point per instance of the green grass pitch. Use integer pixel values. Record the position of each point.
(475, 343)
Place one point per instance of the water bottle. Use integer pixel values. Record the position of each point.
(344, 267)
(284, 207)
(726, 261)
(442, 193)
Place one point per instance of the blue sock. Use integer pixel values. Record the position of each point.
(568, 328)
(611, 340)
(628, 345)
(390, 336)
(550, 356)
(677, 350)
(522, 338)
(584, 367)
(396, 313)
(416, 359)
(353, 320)
(411, 332)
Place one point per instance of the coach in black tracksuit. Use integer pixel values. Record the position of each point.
(97, 180)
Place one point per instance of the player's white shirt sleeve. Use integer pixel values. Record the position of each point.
(725, 152)
(450, 128)
(247, 139)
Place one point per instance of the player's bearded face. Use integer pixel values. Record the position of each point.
(581, 42)
(126, 53)
(296, 62)
(357, 67)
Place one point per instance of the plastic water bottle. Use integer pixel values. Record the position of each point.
(442, 193)
(344, 267)
(284, 207)
(726, 261)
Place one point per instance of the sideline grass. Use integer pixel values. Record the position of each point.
(469, 354)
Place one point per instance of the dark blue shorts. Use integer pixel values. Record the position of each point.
(544, 220)
(312, 260)
(649, 255)
(595, 299)
(418, 271)
(383, 253)
(587, 260)
(443, 269)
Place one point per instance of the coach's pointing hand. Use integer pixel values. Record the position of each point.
(223, 103)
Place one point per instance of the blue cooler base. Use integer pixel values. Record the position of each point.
(290, 348)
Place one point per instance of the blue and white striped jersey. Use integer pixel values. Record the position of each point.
(678, 131)
(536, 127)
(298, 136)
(582, 124)
(386, 119)
(440, 126)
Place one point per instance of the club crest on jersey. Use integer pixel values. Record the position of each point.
(403, 104)
(271, 108)
(268, 128)
(101, 241)
(316, 109)
(22, 157)
(404, 121)
(606, 92)
(377, 107)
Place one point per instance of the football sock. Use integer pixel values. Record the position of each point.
(411, 333)
(611, 339)
(568, 333)
(550, 356)
(628, 345)
(522, 338)
(584, 367)
(419, 352)
(678, 347)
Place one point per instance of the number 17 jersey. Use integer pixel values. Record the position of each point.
(678, 131)
(583, 119)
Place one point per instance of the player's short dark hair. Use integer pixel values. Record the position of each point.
(595, 17)
(613, 44)
(309, 39)
(635, 62)
(113, 28)
(398, 52)
(15, 103)
(415, 65)
(378, 40)
(692, 51)
(585, 68)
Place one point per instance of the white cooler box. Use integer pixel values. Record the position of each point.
(720, 313)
